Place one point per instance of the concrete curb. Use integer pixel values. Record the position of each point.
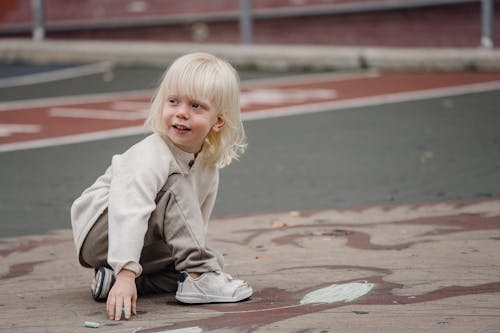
(261, 57)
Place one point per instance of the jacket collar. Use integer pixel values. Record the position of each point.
(184, 159)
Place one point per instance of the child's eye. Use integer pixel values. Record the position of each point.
(196, 106)
(172, 100)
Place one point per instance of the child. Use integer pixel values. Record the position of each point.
(143, 224)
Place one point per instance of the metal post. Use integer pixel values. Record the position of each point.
(38, 14)
(246, 21)
(487, 24)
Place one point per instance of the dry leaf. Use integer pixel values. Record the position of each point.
(426, 156)
(281, 224)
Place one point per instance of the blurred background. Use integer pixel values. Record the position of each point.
(395, 23)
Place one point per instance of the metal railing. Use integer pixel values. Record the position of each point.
(247, 14)
(38, 20)
(487, 19)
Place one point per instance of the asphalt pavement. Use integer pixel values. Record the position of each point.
(414, 152)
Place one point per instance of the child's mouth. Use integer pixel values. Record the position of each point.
(181, 127)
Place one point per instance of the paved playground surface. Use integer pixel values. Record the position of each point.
(411, 268)
(367, 202)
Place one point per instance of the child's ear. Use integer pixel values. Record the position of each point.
(219, 124)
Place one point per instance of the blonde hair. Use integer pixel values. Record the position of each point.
(202, 75)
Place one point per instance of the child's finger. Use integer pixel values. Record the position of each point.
(110, 306)
(118, 308)
(133, 305)
(126, 308)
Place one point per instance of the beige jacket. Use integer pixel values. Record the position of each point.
(128, 190)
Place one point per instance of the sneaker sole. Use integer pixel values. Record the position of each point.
(103, 285)
(201, 299)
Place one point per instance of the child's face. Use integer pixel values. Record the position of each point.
(188, 121)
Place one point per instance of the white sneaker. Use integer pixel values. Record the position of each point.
(211, 287)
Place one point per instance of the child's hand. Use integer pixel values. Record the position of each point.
(123, 295)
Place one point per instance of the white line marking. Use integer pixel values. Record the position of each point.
(81, 99)
(106, 97)
(248, 311)
(56, 75)
(98, 114)
(9, 129)
(346, 292)
(125, 105)
(72, 139)
(246, 116)
(147, 94)
(371, 101)
(195, 329)
(270, 96)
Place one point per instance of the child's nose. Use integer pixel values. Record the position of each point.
(182, 112)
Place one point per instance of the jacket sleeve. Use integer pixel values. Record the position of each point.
(137, 178)
(208, 204)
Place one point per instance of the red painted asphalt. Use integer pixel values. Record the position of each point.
(62, 118)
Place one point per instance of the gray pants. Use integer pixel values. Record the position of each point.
(175, 240)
